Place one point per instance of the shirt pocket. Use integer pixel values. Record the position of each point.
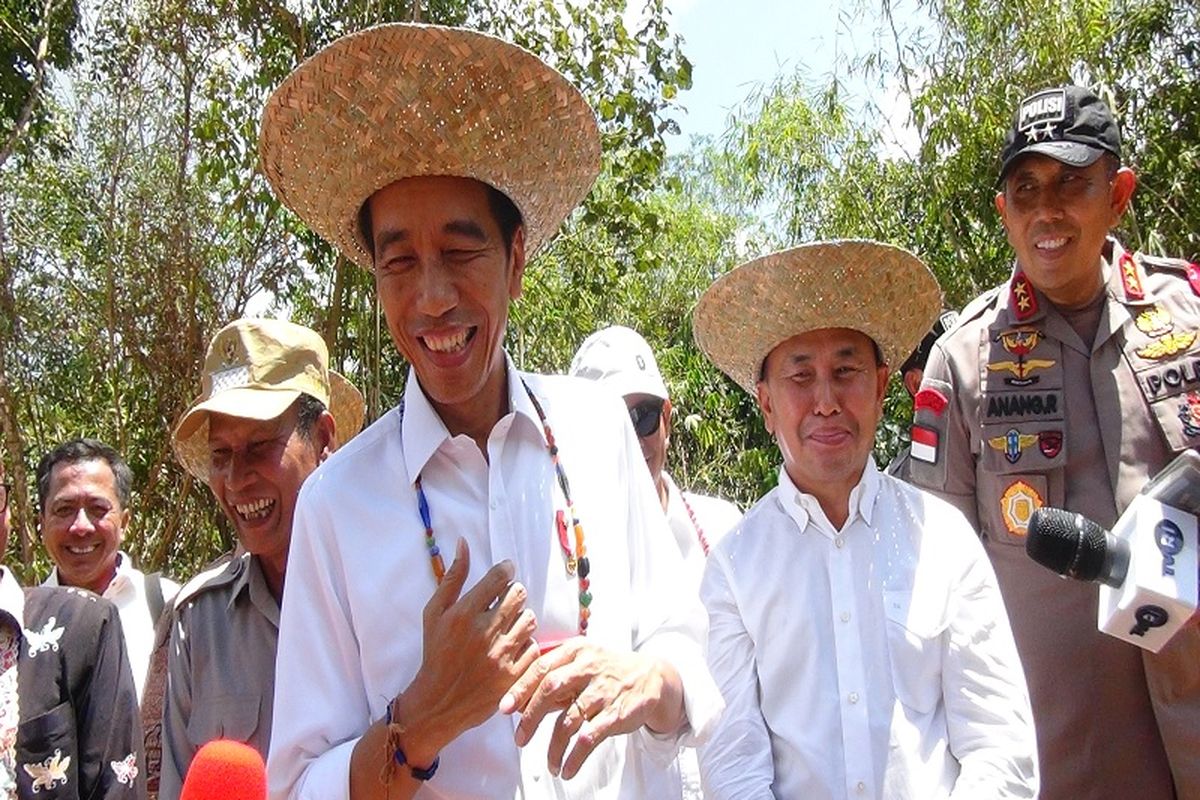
(914, 635)
(229, 717)
(47, 755)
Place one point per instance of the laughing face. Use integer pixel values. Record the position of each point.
(1057, 218)
(83, 523)
(256, 468)
(445, 279)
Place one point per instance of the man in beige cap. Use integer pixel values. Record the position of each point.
(856, 627)
(1071, 385)
(441, 159)
(270, 411)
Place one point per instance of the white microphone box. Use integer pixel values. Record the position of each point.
(1159, 593)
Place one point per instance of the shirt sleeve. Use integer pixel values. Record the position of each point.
(953, 477)
(670, 618)
(177, 750)
(736, 763)
(988, 715)
(108, 722)
(320, 698)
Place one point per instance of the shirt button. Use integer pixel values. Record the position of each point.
(845, 616)
(860, 787)
(840, 542)
(853, 697)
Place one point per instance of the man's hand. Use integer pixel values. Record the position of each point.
(600, 694)
(475, 647)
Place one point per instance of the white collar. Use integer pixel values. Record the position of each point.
(124, 571)
(423, 432)
(803, 507)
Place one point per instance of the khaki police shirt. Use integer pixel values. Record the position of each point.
(1034, 416)
(220, 666)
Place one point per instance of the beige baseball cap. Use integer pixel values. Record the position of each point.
(256, 369)
(620, 358)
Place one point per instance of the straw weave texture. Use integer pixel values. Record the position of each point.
(403, 100)
(878, 289)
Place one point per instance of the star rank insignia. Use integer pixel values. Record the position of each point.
(1131, 278)
(1021, 296)
(1036, 133)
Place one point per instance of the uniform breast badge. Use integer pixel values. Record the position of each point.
(1156, 323)
(1020, 342)
(1189, 413)
(1017, 505)
(1012, 444)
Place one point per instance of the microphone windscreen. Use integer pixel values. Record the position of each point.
(1068, 543)
(225, 770)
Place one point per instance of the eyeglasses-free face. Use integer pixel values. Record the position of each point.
(646, 416)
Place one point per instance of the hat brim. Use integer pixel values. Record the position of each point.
(190, 440)
(881, 290)
(402, 100)
(1073, 154)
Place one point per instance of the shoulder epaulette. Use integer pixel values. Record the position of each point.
(980, 304)
(218, 573)
(1163, 263)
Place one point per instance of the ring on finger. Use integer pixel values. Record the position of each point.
(579, 709)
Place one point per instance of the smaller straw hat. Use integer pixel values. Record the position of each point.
(256, 369)
(620, 358)
(878, 289)
(403, 100)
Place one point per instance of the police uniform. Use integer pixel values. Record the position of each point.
(220, 666)
(1016, 411)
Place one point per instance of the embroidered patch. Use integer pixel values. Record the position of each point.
(930, 399)
(50, 772)
(1017, 505)
(1050, 443)
(1040, 114)
(126, 769)
(1017, 404)
(1131, 278)
(924, 445)
(45, 639)
(1168, 345)
(1021, 296)
(1012, 444)
(1189, 413)
(1170, 378)
(1154, 321)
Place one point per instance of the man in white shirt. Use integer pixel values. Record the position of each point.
(84, 489)
(856, 627)
(559, 636)
(621, 360)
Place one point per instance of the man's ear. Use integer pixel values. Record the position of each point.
(1124, 182)
(517, 261)
(882, 371)
(126, 517)
(763, 394)
(912, 380)
(324, 436)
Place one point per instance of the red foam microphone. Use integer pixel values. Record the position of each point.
(226, 770)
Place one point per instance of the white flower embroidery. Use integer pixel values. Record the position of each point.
(125, 769)
(45, 639)
(47, 774)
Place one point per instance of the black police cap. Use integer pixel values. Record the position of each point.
(1068, 123)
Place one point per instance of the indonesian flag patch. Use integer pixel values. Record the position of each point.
(924, 444)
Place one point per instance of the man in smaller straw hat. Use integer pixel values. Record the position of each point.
(270, 412)
(1070, 385)
(855, 626)
(621, 360)
(561, 643)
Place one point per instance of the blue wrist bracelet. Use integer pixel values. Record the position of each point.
(402, 760)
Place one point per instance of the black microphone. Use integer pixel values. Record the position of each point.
(1076, 547)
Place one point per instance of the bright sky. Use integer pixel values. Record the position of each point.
(736, 45)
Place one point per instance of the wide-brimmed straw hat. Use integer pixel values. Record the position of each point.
(403, 100)
(256, 369)
(879, 289)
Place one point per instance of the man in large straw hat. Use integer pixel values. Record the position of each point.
(271, 411)
(1071, 385)
(856, 628)
(493, 546)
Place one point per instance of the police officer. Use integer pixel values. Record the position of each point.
(912, 372)
(1070, 385)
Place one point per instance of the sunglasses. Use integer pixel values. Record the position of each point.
(646, 417)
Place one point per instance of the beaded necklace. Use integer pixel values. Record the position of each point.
(692, 516)
(576, 559)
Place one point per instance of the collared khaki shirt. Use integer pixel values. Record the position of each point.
(1023, 412)
(220, 666)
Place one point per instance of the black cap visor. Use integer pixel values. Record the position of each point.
(1073, 154)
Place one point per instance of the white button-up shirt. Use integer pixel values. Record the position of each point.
(872, 661)
(127, 591)
(359, 576)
